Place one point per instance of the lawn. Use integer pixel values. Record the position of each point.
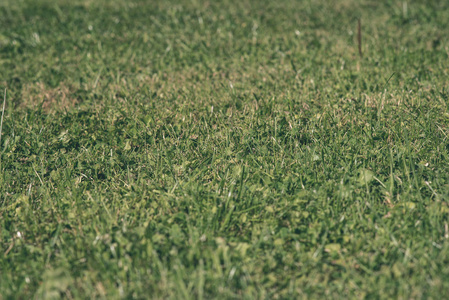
(224, 150)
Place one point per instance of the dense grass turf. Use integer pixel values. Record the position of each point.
(224, 149)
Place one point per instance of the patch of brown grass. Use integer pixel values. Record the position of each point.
(52, 99)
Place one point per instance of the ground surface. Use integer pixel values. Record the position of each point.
(224, 149)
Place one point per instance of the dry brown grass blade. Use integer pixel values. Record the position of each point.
(1, 122)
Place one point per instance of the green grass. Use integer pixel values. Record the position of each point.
(224, 149)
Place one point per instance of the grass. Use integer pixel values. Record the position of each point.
(224, 149)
